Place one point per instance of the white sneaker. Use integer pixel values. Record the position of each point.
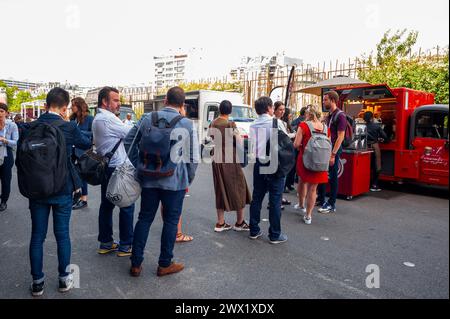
(307, 220)
(66, 284)
(221, 228)
(302, 209)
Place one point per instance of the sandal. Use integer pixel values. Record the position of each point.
(183, 238)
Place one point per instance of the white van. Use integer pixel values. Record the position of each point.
(203, 107)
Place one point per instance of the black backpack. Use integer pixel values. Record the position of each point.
(286, 152)
(349, 128)
(42, 160)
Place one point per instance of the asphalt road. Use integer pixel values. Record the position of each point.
(325, 260)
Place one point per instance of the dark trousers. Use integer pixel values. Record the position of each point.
(6, 175)
(333, 180)
(375, 173)
(261, 185)
(290, 179)
(172, 201)
(84, 189)
(105, 218)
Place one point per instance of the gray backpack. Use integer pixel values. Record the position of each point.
(316, 157)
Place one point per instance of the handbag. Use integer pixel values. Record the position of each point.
(242, 152)
(92, 166)
(123, 189)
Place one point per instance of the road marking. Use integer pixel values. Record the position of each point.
(337, 282)
(121, 293)
(219, 244)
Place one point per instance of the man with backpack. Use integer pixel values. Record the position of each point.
(109, 132)
(338, 124)
(262, 133)
(165, 170)
(47, 178)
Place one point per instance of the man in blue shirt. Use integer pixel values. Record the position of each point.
(170, 190)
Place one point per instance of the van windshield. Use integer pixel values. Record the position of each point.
(243, 114)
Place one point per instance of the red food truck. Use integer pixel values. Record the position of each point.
(418, 146)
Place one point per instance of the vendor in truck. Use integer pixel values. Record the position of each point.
(375, 135)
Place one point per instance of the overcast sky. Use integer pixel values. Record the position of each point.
(113, 42)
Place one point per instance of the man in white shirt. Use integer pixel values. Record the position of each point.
(109, 131)
(260, 133)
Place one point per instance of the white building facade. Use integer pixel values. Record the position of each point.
(177, 67)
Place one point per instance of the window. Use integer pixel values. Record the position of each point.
(191, 107)
(431, 124)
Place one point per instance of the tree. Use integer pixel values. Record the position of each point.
(215, 86)
(15, 97)
(395, 64)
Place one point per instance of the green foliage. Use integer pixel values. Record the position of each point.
(395, 65)
(214, 86)
(15, 97)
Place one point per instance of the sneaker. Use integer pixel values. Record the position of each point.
(319, 204)
(302, 209)
(172, 269)
(66, 284)
(76, 198)
(280, 240)
(285, 202)
(221, 228)
(79, 205)
(108, 248)
(242, 227)
(327, 209)
(3, 207)
(254, 237)
(307, 220)
(124, 252)
(375, 189)
(37, 290)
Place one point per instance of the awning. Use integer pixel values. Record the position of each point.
(340, 81)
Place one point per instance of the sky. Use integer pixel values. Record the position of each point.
(99, 42)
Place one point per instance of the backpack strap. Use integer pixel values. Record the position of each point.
(275, 123)
(311, 127)
(333, 118)
(155, 118)
(313, 130)
(58, 123)
(171, 124)
(175, 121)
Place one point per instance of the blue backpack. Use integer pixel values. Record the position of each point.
(155, 147)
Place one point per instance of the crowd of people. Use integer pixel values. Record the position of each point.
(164, 181)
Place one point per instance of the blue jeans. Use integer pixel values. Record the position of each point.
(172, 201)
(333, 179)
(105, 219)
(40, 212)
(84, 189)
(261, 185)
